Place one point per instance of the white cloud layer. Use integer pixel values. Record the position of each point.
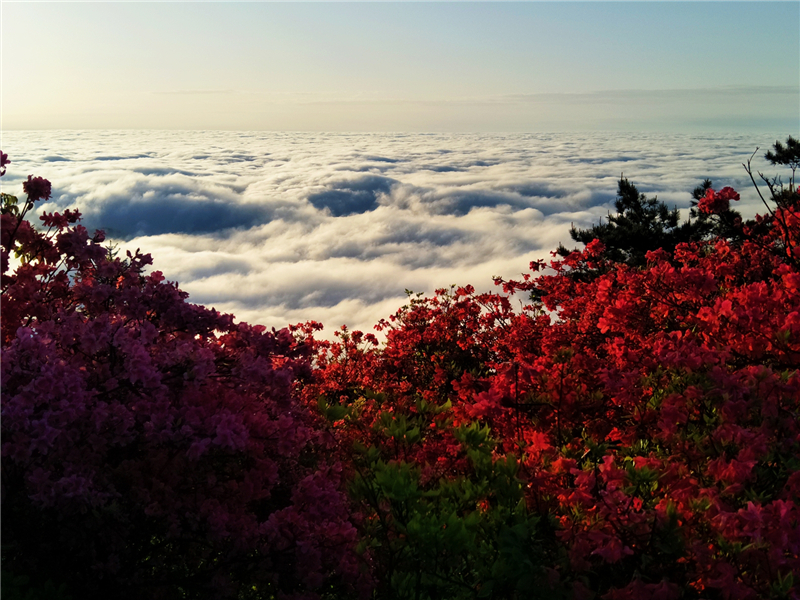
(280, 228)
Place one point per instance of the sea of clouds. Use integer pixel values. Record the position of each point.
(280, 228)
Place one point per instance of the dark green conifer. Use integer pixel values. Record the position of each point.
(641, 224)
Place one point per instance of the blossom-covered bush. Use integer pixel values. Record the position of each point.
(632, 432)
(651, 415)
(152, 448)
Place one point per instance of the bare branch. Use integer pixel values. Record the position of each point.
(749, 171)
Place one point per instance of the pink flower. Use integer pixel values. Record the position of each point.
(610, 548)
(3, 162)
(37, 188)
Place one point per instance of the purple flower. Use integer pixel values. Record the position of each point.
(3, 162)
(37, 188)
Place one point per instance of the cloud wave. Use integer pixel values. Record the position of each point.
(284, 227)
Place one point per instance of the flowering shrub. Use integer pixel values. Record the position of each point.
(151, 447)
(632, 433)
(647, 419)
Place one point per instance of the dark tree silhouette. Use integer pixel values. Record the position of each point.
(641, 224)
(786, 198)
(788, 155)
(703, 226)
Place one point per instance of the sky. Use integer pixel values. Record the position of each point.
(401, 67)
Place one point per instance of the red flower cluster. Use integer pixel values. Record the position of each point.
(717, 202)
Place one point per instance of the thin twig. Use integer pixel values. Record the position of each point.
(749, 171)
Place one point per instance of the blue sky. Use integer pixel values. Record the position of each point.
(522, 66)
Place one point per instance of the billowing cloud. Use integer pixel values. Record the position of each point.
(280, 227)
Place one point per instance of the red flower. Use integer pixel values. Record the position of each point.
(728, 193)
(37, 188)
(717, 202)
(595, 248)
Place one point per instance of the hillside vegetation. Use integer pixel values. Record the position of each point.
(631, 431)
